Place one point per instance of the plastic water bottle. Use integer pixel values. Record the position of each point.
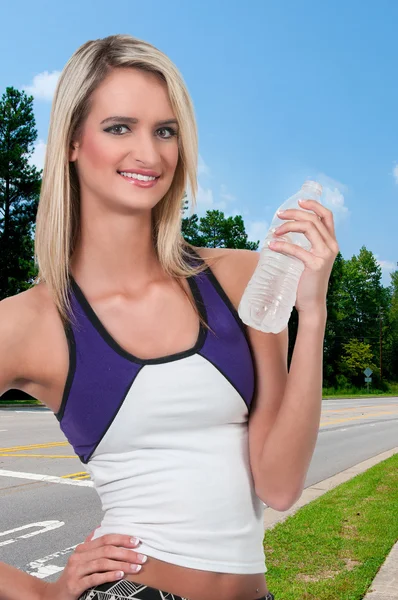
(270, 295)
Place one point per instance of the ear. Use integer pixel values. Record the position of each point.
(73, 151)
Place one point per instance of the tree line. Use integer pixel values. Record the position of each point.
(362, 325)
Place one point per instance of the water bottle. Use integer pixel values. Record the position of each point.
(270, 295)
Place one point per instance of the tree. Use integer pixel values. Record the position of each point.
(356, 358)
(214, 230)
(19, 191)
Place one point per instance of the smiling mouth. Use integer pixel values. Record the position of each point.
(138, 176)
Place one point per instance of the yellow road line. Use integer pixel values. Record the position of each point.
(74, 474)
(358, 408)
(34, 446)
(332, 422)
(39, 455)
(87, 476)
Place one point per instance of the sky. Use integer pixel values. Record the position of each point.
(283, 91)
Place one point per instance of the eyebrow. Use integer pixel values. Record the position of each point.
(134, 121)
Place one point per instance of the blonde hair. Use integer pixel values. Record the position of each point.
(57, 223)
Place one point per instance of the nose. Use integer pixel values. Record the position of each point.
(145, 149)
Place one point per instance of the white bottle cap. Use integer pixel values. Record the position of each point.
(312, 186)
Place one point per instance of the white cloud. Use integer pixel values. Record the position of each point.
(39, 152)
(43, 86)
(333, 196)
(203, 169)
(387, 265)
(225, 195)
(395, 173)
(257, 231)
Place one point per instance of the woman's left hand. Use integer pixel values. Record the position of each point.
(318, 262)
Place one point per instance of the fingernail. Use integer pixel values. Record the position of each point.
(281, 212)
(135, 541)
(136, 568)
(301, 201)
(273, 230)
(120, 574)
(142, 558)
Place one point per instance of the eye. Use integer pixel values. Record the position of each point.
(169, 131)
(116, 129)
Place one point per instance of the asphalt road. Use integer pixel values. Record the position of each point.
(43, 519)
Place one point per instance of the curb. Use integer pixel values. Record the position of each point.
(385, 584)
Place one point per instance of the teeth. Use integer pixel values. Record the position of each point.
(137, 176)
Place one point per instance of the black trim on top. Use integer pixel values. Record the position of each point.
(97, 324)
(85, 461)
(71, 370)
(221, 292)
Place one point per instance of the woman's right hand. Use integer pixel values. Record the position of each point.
(106, 559)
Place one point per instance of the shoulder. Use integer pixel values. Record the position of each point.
(21, 320)
(233, 269)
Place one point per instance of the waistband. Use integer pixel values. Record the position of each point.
(128, 590)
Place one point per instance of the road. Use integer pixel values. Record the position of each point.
(43, 519)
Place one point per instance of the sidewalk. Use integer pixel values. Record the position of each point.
(385, 584)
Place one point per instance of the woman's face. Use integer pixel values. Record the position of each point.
(127, 151)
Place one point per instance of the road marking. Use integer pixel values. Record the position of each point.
(332, 410)
(75, 474)
(334, 421)
(3, 429)
(39, 569)
(44, 478)
(44, 525)
(40, 455)
(34, 446)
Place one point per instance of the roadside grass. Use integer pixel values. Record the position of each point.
(333, 547)
(354, 392)
(32, 402)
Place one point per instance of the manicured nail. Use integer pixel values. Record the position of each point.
(135, 541)
(301, 201)
(120, 574)
(142, 558)
(281, 212)
(136, 568)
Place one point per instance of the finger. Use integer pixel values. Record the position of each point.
(310, 260)
(112, 539)
(310, 231)
(100, 578)
(301, 215)
(323, 212)
(81, 560)
(106, 565)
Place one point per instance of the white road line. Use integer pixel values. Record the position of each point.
(3, 429)
(44, 478)
(38, 568)
(44, 526)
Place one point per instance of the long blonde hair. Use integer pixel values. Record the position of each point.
(58, 215)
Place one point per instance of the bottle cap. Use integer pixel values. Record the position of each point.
(312, 186)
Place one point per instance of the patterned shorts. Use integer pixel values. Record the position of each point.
(128, 590)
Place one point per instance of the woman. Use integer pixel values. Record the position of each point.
(155, 377)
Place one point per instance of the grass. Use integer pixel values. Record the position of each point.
(334, 546)
(354, 392)
(32, 402)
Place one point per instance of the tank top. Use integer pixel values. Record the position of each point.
(165, 440)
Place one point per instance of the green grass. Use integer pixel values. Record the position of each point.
(354, 392)
(333, 547)
(33, 402)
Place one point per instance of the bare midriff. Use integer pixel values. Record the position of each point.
(194, 584)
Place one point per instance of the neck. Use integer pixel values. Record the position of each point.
(115, 250)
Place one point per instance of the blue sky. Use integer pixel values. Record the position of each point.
(283, 90)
